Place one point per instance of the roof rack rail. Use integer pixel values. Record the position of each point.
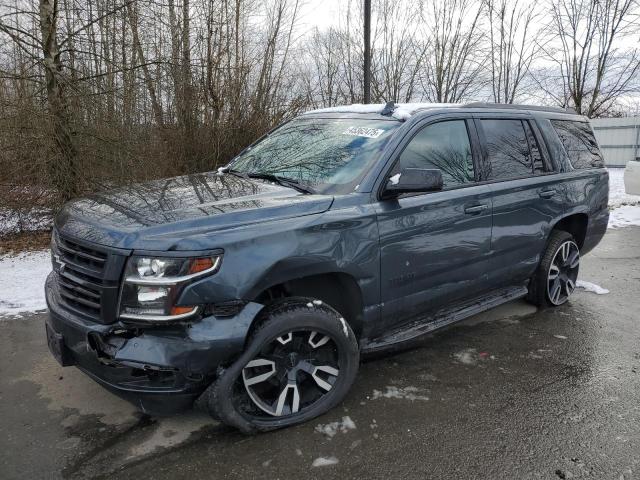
(535, 108)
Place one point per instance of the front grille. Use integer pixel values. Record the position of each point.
(88, 278)
(81, 277)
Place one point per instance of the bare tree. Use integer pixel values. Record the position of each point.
(398, 52)
(514, 43)
(64, 172)
(454, 67)
(107, 92)
(325, 68)
(591, 69)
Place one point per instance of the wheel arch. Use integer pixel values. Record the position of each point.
(338, 289)
(576, 224)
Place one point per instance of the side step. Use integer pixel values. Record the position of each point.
(443, 318)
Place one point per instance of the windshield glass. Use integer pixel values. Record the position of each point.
(330, 155)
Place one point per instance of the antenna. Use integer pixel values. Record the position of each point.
(388, 108)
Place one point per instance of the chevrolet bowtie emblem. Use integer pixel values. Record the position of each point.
(61, 264)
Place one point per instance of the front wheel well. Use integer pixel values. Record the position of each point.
(576, 225)
(339, 290)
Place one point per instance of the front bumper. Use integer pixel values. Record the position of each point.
(161, 370)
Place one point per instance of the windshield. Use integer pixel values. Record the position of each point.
(329, 155)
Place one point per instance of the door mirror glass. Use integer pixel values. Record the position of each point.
(411, 180)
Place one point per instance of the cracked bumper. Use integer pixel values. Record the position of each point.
(161, 370)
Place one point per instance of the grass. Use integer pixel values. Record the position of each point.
(14, 243)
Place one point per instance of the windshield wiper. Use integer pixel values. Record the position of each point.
(284, 181)
(236, 173)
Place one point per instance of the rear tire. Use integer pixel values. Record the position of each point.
(556, 276)
(299, 363)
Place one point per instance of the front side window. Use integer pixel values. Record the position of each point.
(330, 155)
(507, 149)
(580, 144)
(444, 146)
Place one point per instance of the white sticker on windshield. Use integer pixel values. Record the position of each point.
(363, 132)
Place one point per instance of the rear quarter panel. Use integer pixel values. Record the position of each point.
(588, 192)
(585, 191)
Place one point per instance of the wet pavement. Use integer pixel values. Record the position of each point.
(512, 393)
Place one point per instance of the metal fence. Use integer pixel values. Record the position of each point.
(619, 139)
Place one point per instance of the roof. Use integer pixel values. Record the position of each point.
(403, 111)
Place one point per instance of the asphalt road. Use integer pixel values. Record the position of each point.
(512, 393)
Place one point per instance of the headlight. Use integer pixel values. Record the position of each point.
(152, 285)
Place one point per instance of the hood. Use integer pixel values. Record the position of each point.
(174, 208)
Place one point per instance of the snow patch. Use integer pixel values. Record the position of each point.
(406, 393)
(624, 208)
(32, 220)
(625, 216)
(561, 337)
(317, 302)
(22, 280)
(331, 429)
(591, 287)
(617, 194)
(468, 356)
(395, 179)
(402, 111)
(324, 461)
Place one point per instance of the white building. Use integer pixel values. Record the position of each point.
(619, 139)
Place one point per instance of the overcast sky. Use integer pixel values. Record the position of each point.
(326, 13)
(321, 13)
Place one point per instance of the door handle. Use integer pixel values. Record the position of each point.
(547, 193)
(476, 209)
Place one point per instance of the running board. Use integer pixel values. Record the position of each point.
(430, 324)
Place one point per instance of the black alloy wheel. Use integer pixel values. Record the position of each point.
(299, 362)
(563, 273)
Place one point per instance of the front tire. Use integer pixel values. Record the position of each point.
(556, 277)
(299, 363)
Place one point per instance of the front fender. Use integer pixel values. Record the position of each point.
(338, 241)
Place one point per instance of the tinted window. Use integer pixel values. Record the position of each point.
(579, 142)
(534, 149)
(445, 146)
(507, 149)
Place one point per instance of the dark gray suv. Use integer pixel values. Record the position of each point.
(254, 290)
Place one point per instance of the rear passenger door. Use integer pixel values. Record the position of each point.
(527, 195)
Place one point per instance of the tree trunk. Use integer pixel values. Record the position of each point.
(132, 15)
(63, 173)
(188, 111)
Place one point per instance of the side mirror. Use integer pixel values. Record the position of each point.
(411, 180)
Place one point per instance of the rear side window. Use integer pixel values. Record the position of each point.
(444, 146)
(507, 149)
(579, 143)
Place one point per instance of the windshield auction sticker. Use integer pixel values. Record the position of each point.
(363, 132)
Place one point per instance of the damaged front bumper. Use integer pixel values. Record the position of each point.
(161, 369)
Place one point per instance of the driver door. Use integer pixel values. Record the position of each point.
(434, 246)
